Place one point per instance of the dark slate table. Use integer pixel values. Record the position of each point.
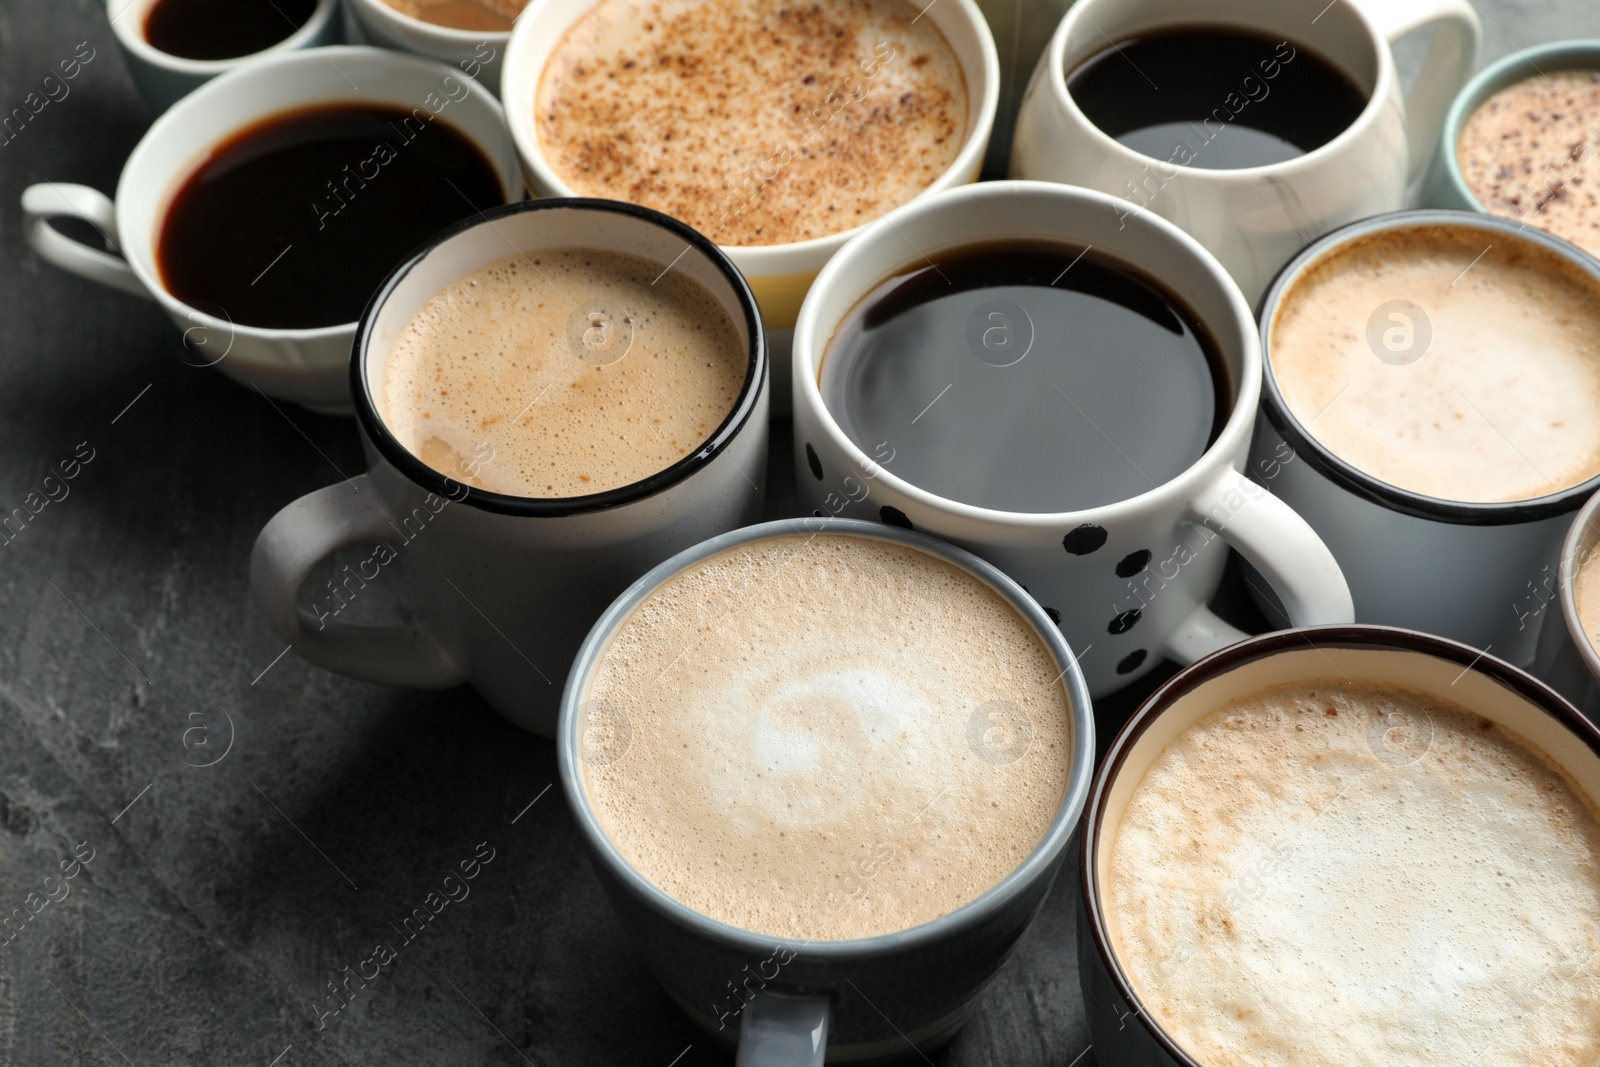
(254, 825)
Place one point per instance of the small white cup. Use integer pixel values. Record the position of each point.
(1128, 582)
(778, 274)
(474, 52)
(164, 79)
(1253, 219)
(308, 366)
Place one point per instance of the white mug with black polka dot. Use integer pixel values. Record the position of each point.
(1128, 582)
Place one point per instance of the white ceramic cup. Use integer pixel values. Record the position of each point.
(1449, 567)
(308, 366)
(477, 53)
(779, 274)
(505, 586)
(1254, 219)
(1128, 582)
(163, 79)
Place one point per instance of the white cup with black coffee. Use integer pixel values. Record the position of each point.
(1255, 125)
(1007, 367)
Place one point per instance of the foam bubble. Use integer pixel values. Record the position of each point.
(799, 761)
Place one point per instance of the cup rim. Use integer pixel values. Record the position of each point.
(810, 343)
(174, 173)
(759, 260)
(1501, 74)
(1049, 850)
(133, 39)
(1377, 99)
(1583, 539)
(418, 472)
(443, 34)
(1263, 646)
(1350, 477)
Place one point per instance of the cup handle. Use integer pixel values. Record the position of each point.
(1452, 55)
(1281, 545)
(59, 200)
(293, 542)
(782, 1030)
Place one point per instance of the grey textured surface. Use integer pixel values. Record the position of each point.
(221, 900)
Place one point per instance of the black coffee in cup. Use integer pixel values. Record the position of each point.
(223, 29)
(1026, 376)
(1217, 98)
(291, 223)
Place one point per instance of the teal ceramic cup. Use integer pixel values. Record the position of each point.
(1444, 185)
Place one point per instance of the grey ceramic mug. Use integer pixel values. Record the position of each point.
(787, 1002)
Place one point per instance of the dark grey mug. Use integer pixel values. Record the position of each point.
(786, 1002)
(1123, 1032)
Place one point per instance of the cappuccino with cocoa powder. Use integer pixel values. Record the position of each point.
(757, 122)
(828, 737)
(563, 372)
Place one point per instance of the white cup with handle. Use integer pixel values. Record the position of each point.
(308, 366)
(1254, 219)
(1127, 582)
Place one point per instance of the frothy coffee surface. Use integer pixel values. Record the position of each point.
(562, 373)
(757, 122)
(827, 737)
(1528, 152)
(1586, 591)
(1490, 393)
(1335, 874)
(491, 16)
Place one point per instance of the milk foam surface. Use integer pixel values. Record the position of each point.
(803, 760)
(1504, 403)
(1528, 152)
(1290, 884)
(757, 122)
(1586, 592)
(488, 383)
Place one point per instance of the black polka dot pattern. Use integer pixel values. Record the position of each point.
(1133, 563)
(1055, 616)
(894, 517)
(813, 462)
(1124, 622)
(1085, 539)
(1130, 663)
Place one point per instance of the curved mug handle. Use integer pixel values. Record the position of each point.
(1281, 545)
(61, 200)
(783, 1030)
(1452, 55)
(302, 535)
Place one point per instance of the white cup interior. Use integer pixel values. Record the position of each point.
(526, 232)
(181, 140)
